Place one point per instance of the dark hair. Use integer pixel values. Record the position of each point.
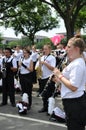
(27, 50)
(9, 49)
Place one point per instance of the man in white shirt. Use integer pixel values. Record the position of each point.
(48, 63)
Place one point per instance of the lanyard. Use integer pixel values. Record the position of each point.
(46, 57)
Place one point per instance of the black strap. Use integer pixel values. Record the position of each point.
(46, 57)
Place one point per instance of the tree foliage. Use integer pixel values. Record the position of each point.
(81, 19)
(29, 17)
(21, 42)
(1, 38)
(7, 6)
(43, 42)
(68, 10)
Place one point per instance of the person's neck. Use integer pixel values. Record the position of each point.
(77, 56)
(18, 51)
(8, 56)
(47, 54)
(27, 57)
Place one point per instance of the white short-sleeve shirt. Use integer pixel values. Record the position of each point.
(14, 63)
(34, 56)
(18, 54)
(51, 61)
(26, 62)
(75, 72)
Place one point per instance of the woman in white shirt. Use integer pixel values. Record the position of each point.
(26, 68)
(72, 80)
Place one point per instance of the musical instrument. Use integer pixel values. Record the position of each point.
(38, 68)
(59, 66)
(62, 62)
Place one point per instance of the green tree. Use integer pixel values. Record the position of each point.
(81, 19)
(68, 11)
(12, 44)
(23, 42)
(7, 6)
(30, 17)
(1, 38)
(43, 42)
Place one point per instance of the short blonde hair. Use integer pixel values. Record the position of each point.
(47, 45)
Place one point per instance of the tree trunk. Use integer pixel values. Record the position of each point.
(69, 28)
(31, 37)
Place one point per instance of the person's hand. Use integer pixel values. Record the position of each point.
(42, 62)
(20, 63)
(57, 72)
(57, 80)
(14, 55)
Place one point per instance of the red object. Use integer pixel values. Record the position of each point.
(57, 39)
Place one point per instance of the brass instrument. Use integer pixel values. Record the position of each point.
(38, 68)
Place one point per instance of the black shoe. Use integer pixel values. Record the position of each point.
(29, 107)
(47, 114)
(3, 104)
(42, 110)
(13, 105)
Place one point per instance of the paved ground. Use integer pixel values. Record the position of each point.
(10, 119)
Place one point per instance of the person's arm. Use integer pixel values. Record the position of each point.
(14, 68)
(64, 80)
(30, 68)
(48, 65)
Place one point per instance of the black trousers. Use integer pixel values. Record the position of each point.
(42, 83)
(8, 89)
(75, 112)
(47, 93)
(45, 103)
(26, 85)
(34, 76)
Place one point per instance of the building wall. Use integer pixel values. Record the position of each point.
(6, 40)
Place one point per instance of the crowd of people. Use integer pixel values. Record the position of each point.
(66, 66)
(20, 65)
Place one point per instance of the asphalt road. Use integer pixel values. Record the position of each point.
(11, 120)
